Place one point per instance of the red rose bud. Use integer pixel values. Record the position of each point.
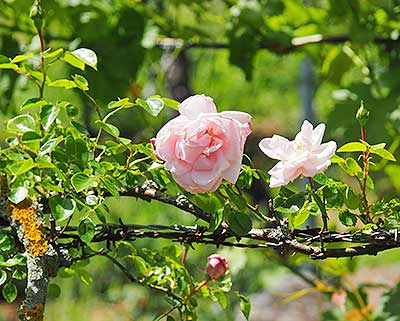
(216, 266)
(153, 143)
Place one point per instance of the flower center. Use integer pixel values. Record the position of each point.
(214, 144)
(299, 146)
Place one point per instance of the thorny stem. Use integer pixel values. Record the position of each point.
(176, 306)
(197, 288)
(365, 157)
(185, 251)
(96, 105)
(311, 183)
(42, 65)
(179, 304)
(97, 108)
(320, 204)
(131, 278)
(55, 237)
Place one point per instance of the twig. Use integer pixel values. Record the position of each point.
(131, 278)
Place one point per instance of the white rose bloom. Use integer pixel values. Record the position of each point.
(305, 155)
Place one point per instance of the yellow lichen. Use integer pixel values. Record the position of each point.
(35, 314)
(25, 214)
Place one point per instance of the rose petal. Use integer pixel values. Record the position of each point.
(275, 147)
(195, 105)
(241, 117)
(232, 173)
(317, 134)
(208, 177)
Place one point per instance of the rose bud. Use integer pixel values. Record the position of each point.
(216, 266)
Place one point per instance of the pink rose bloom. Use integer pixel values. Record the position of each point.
(305, 155)
(216, 266)
(201, 147)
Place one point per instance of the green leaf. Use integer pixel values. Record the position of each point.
(383, 153)
(20, 58)
(320, 178)
(49, 146)
(352, 147)
(3, 277)
(81, 82)
(237, 199)
(298, 218)
(82, 129)
(378, 146)
(238, 222)
(72, 111)
(353, 166)
(73, 60)
(152, 105)
(34, 73)
(245, 305)
(17, 194)
(352, 201)
(9, 66)
(85, 276)
(76, 148)
(111, 129)
(4, 59)
(321, 206)
(62, 208)
(54, 290)
(81, 181)
(140, 265)
(110, 186)
(63, 83)
(347, 218)
(65, 272)
(16, 260)
(335, 159)
(86, 230)
(54, 54)
(125, 103)
(30, 137)
(48, 115)
(22, 123)
(216, 219)
(32, 103)
(19, 274)
(22, 167)
(156, 105)
(91, 200)
(10, 292)
(101, 213)
(370, 182)
(221, 298)
(171, 103)
(86, 56)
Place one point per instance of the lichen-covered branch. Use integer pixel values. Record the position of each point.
(43, 260)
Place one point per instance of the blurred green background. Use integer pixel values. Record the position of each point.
(280, 61)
